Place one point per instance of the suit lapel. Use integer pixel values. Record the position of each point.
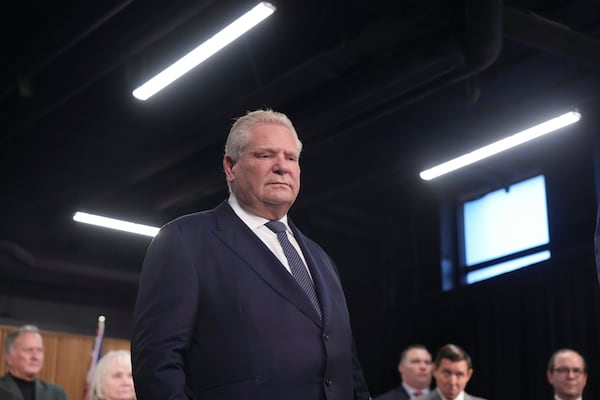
(323, 274)
(242, 241)
(40, 393)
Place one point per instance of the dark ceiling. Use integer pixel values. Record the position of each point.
(378, 90)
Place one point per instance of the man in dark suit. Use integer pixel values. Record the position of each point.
(24, 356)
(220, 314)
(567, 374)
(414, 368)
(452, 371)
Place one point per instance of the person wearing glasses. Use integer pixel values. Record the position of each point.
(452, 371)
(567, 374)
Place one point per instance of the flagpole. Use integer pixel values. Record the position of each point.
(95, 354)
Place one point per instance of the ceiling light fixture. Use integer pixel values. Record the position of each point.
(115, 224)
(201, 53)
(501, 145)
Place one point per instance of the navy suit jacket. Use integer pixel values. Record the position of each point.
(218, 317)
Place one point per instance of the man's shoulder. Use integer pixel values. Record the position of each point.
(57, 391)
(397, 393)
(50, 385)
(471, 397)
(6, 394)
(192, 217)
(193, 222)
(6, 381)
(432, 395)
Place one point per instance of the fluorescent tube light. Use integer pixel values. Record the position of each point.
(501, 145)
(115, 224)
(201, 53)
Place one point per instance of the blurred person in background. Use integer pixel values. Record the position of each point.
(414, 368)
(567, 374)
(112, 379)
(452, 371)
(24, 357)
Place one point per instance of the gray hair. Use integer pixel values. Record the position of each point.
(240, 130)
(13, 335)
(101, 371)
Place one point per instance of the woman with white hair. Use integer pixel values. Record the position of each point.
(112, 379)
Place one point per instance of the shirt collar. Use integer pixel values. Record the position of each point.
(558, 398)
(411, 390)
(250, 219)
(461, 395)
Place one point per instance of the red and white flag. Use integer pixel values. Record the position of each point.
(96, 354)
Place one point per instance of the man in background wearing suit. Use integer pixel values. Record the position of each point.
(452, 371)
(24, 356)
(414, 368)
(220, 313)
(567, 374)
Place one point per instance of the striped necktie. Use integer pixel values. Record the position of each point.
(299, 270)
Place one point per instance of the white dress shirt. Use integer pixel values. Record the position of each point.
(558, 398)
(411, 390)
(267, 236)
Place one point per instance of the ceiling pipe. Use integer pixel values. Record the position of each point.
(416, 73)
(552, 37)
(14, 257)
(29, 74)
(481, 45)
(472, 53)
(85, 71)
(384, 36)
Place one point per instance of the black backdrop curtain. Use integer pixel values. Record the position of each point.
(510, 325)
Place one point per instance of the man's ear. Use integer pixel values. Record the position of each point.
(228, 164)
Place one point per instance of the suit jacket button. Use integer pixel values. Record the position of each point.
(326, 336)
(328, 382)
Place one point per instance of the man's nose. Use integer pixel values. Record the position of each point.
(282, 163)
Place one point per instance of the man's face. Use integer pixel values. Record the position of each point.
(26, 359)
(416, 368)
(568, 377)
(266, 178)
(452, 377)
